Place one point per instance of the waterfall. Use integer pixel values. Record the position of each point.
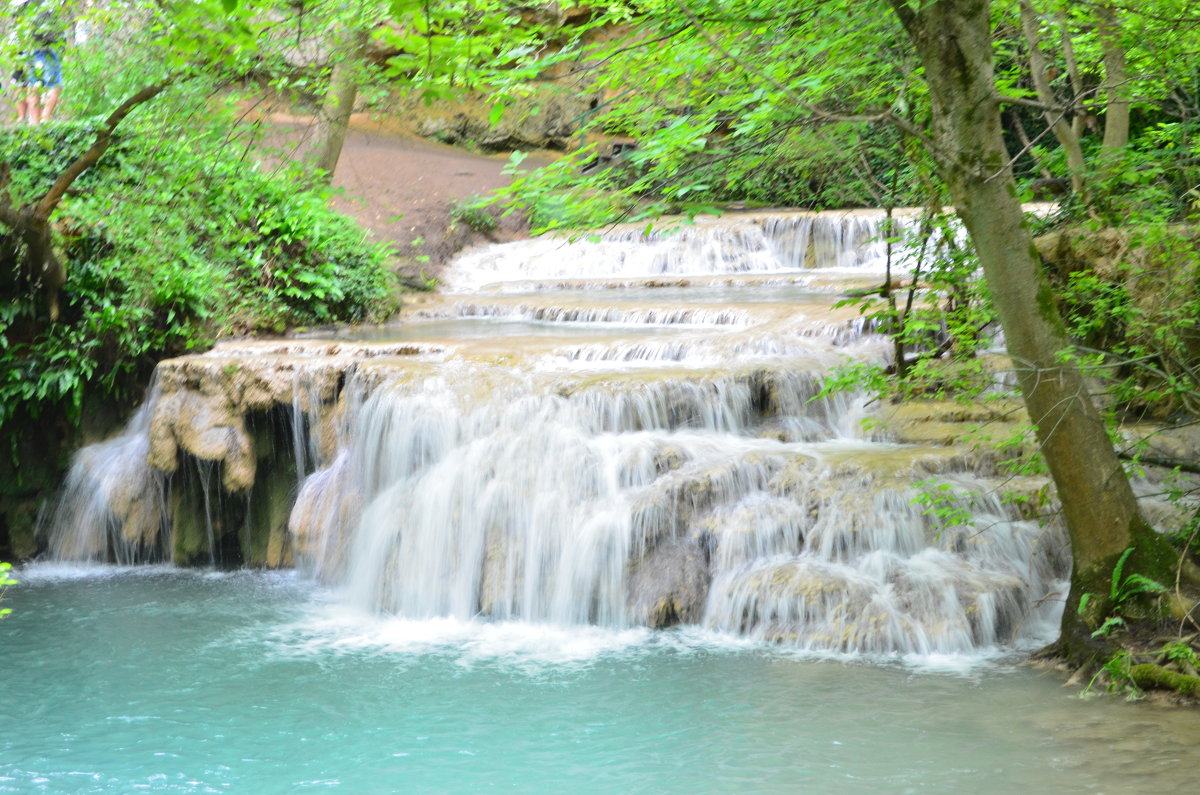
(749, 243)
(621, 431)
(112, 504)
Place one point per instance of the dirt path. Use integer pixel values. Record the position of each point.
(403, 188)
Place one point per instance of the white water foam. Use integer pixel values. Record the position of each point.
(648, 461)
(331, 627)
(112, 505)
(343, 630)
(735, 244)
(63, 571)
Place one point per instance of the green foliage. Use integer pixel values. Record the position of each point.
(1122, 590)
(1110, 624)
(689, 165)
(942, 503)
(551, 197)
(293, 261)
(169, 246)
(938, 317)
(870, 378)
(455, 44)
(1177, 651)
(473, 213)
(1139, 311)
(724, 110)
(5, 581)
(1171, 667)
(1142, 318)
(1118, 667)
(1117, 675)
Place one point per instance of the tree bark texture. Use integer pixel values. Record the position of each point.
(952, 38)
(1056, 117)
(339, 103)
(1116, 81)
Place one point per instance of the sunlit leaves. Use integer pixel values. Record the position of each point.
(5, 581)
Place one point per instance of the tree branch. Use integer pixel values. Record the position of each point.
(590, 66)
(904, 125)
(1067, 137)
(47, 204)
(1183, 464)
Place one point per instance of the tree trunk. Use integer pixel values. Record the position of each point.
(1066, 133)
(339, 104)
(953, 40)
(1116, 82)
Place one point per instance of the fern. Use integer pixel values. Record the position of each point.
(1123, 590)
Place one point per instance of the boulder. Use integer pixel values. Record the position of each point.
(670, 584)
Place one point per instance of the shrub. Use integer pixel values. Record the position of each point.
(168, 246)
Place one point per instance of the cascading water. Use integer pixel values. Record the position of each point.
(112, 504)
(664, 457)
(629, 432)
(769, 243)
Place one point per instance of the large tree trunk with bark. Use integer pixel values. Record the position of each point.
(953, 40)
(1116, 81)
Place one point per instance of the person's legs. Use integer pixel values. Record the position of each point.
(33, 106)
(49, 102)
(20, 89)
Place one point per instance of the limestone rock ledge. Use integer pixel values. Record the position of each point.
(242, 410)
(979, 438)
(206, 399)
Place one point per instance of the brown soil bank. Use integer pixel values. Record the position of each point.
(403, 189)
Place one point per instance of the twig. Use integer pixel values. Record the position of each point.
(1179, 573)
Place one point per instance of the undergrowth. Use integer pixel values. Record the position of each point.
(170, 243)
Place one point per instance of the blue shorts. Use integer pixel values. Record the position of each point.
(42, 69)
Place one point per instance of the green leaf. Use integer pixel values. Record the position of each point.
(1115, 584)
(496, 114)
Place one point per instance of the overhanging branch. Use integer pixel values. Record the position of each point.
(47, 204)
(901, 123)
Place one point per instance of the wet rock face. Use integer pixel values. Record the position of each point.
(237, 427)
(205, 400)
(205, 427)
(206, 472)
(670, 585)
